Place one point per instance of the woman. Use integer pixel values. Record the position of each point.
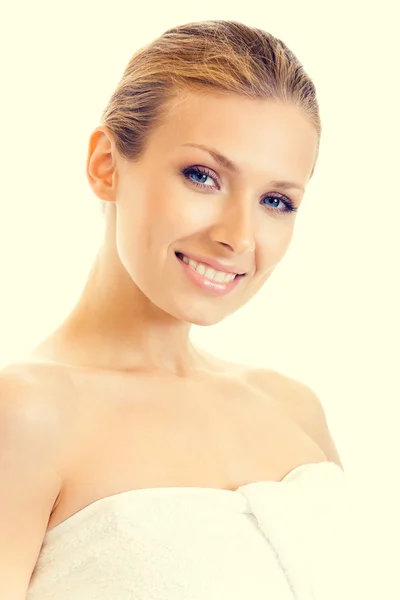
(137, 465)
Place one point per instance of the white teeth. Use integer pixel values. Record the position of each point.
(209, 272)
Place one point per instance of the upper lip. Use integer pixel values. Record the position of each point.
(213, 262)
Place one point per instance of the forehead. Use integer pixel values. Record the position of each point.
(256, 134)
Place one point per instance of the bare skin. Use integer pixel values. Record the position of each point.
(134, 402)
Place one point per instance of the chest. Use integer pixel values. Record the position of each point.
(158, 432)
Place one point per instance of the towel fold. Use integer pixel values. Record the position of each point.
(267, 540)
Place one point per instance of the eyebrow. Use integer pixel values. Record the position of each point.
(227, 163)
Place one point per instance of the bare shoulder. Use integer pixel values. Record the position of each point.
(23, 387)
(31, 474)
(38, 391)
(296, 395)
(31, 406)
(31, 380)
(301, 401)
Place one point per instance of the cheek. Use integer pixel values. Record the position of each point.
(147, 226)
(175, 213)
(272, 245)
(145, 218)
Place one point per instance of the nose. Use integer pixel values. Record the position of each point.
(236, 228)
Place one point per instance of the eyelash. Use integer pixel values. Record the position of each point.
(289, 206)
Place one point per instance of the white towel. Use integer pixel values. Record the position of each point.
(268, 540)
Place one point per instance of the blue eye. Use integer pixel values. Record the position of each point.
(199, 172)
(288, 205)
(203, 174)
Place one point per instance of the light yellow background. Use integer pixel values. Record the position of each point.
(330, 313)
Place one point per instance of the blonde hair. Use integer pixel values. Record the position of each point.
(219, 56)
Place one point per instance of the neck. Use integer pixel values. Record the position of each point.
(115, 326)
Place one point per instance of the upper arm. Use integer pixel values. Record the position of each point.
(303, 405)
(311, 415)
(29, 482)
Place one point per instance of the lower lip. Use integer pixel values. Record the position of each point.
(215, 287)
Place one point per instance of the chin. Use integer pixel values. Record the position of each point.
(196, 311)
(204, 316)
(204, 322)
(200, 315)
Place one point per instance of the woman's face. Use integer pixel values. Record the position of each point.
(180, 200)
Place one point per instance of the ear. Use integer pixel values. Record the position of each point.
(101, 168)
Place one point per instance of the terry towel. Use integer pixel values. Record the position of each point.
(287, 540)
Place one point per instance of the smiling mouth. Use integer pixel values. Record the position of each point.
(203, 267)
